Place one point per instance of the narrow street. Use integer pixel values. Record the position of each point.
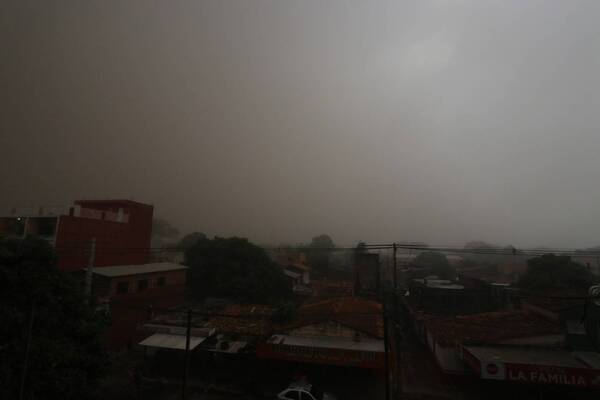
(252, 379)
(420, 376)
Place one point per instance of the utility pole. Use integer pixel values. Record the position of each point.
(27, 347)
(395, 248)
(186, 361)
(90, 271)
(386, 346)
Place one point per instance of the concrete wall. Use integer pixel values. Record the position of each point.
(129, 312)
(448, 360)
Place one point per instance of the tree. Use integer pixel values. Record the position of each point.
(437, 262)
(319, 254)
(66, 356)
(191, 239)
(235, 268)
(555, 272)
(163, 229)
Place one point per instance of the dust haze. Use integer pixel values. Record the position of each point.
(436, 121)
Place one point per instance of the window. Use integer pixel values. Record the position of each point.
(46, 226)
(122, 287)
(161, 281)
(142, 284)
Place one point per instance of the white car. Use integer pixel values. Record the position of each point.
(304, 391)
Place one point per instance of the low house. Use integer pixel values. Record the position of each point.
(324, 288)
(235, 329)
(346, 331)
(131, 291)
(538, 366)
(519, 346)
(444, 336)
(239, 328)
(447, 297)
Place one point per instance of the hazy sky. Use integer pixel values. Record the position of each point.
(437, 121)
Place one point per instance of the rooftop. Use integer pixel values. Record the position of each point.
(491, 327)
(325, 288)
(556, 300)
(244, 319)
(439, 283)
(126, 270)
(354, 312)
(328, 342)
(258, 310)
(529, 356)
(486, 274)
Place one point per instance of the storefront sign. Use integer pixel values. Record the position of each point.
(532, 373)
(342, 357)
(552, 375)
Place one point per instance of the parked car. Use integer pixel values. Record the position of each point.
(304, 391)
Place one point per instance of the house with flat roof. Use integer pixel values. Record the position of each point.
(346, 331)
(131, 292)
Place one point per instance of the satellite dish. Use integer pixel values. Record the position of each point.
(594, 292)
(592, 317)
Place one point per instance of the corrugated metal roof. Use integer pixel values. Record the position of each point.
(527, 356)
(167, 341)
(375, 345)
(124, 270)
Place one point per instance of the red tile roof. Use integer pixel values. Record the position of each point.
(325, 288)
(555, 300)
(252, 327)
(354, 312)
(244, 319)
(489, 328)
(251, 310)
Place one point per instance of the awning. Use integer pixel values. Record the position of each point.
(332, 351)
(168, 341)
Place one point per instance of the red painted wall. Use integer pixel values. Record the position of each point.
(117, 243)
(131, 310)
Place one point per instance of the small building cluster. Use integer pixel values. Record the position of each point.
(481, 329)
(110, 239)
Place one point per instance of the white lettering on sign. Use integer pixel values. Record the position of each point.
(559, 377)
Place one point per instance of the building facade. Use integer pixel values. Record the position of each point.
(122, 230)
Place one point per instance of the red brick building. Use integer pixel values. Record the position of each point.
(122, 229)
(132, 292)
(123, 279)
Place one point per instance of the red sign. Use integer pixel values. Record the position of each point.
(320, 355)
(532, 373)
(492, 369)
(582, 377)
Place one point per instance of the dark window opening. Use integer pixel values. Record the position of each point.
(142, 284)
(45, 226)
(161, 281)
(12, 226)
(122, 287)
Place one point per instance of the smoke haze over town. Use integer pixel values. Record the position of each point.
(431, 121)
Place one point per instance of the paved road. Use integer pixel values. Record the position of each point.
(345, 383)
